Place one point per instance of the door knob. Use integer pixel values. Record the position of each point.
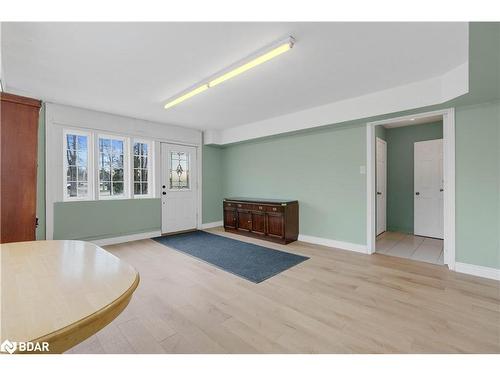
(441, 189)
(379, 193)
(417, 193)
(164, 193)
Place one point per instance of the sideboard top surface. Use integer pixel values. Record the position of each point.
(261, 200)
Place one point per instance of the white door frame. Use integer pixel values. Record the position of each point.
(448, 173)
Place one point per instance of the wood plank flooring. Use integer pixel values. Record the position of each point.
(336, 302)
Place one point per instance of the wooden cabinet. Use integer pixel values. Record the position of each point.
(270, 219)
(230, 218)
(275, 225)
(19, 139)
(258, 223)
(244, 220)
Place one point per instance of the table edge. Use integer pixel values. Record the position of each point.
(67, 337)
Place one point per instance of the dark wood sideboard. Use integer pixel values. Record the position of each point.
(268, 219)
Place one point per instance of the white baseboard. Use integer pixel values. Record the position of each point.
(127, 238)
(481, 271)
(212, 225)
(333, 243)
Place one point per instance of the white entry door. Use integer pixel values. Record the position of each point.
(428, 193)
(179, 204)
(381, 186)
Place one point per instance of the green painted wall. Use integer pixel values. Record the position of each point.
(92, 220)
(380, 132)
(320, 168)
(400, 167)
(212, 189)
(478, 184)
(40, 186)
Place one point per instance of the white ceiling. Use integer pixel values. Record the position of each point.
(132, 68)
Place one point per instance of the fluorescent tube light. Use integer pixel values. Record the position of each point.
(261, 58)
(251, 64)
(186, 96)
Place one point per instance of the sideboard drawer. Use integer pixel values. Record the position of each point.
(229, 205)
(274, 208)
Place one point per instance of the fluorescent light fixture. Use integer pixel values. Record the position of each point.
(252, 64)
(186, 96)
(260, 58)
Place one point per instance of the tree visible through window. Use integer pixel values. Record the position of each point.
(141, 168)
(76, 166)
(111, 168)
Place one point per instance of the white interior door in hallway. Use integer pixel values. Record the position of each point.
(428, 188)
(381, 186)
(178, 188)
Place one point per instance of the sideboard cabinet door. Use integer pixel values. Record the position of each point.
(275, 225)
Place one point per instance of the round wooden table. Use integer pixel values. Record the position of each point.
(60, 292)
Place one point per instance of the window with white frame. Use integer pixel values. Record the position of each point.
(114, 158)
(112, 164)
(142, 153)
(76, 165)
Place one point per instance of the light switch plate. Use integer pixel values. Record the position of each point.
(362, 169)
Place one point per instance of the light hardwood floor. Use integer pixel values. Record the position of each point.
(336, 302)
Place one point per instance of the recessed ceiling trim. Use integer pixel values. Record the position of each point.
(419, 94)
(256, 59)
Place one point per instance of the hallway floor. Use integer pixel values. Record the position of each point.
(409, 246)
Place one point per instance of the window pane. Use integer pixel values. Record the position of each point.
(137, 175)
(71, 141)
(76, 156)
(117, 147)
(82, 143)
(104, 161)
(82, 174)
(82, 188)
(104, 175)
(141, 155)
(105, 188)
(71, 157)
(71, 189)
(105, 145)
(117, 161)
(81, 158)
(117, 188)
(71, 174)
(111, 166)
(118, 175)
